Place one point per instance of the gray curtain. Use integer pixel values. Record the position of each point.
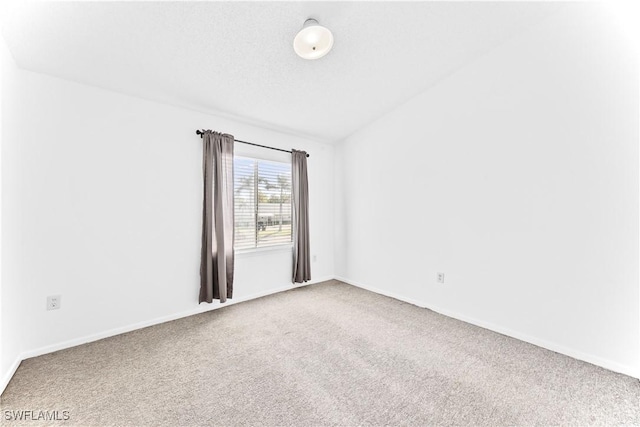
(216, 261)
(300, 196)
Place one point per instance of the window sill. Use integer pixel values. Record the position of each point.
(265, 250)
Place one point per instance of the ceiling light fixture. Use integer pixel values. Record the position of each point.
(313, 41)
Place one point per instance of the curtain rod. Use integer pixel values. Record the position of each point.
(201, 132)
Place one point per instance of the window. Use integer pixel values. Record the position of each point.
(262, 203)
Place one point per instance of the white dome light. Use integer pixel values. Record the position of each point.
(313, 41)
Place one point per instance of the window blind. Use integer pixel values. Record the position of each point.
(262, 203)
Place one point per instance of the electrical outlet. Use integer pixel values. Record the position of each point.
(53, 302)
(440, 277)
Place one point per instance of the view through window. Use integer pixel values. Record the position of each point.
(262, 203)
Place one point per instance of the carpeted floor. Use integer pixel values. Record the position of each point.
(326, 354)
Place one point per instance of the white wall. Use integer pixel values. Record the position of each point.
(3, 66)
(10, 290)
(518, 178)
(109, 195)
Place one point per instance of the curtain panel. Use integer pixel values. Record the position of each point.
(300, 197)
(217, 258)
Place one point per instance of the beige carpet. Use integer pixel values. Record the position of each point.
(326, 354)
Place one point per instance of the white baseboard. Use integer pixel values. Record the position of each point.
(4, 382)
(124, 329)
(605, 363)
(576, 354)
(381, 292)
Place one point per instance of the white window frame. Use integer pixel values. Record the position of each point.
(278, 247)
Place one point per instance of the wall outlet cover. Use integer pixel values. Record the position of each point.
(53, 302)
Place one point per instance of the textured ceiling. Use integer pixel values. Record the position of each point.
(236, 59)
